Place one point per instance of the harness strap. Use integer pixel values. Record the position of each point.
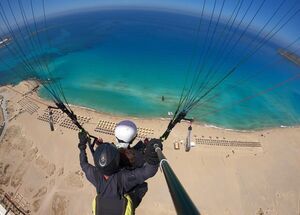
(123, 205)
(119, 185)
(107, 183)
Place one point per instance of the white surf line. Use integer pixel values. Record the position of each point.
(5, 122)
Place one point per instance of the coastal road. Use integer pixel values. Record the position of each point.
(5, 117)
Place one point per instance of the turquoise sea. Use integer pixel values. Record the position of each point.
(124, 61)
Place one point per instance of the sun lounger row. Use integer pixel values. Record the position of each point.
(232, 143)
(108, 127)
(71, 126)
(45, 116)
(25, 101)
(84, 119)
(145, 130)
(143, 136)
(67, 123)
(55, 112)
(28, 105)
(31, 110)
(111, 132)
(104, 131)
(59, 117)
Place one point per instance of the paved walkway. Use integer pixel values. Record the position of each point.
(3, 109)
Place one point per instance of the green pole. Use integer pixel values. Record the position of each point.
(181, 200)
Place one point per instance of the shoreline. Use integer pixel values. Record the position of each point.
(124, 115)
(34, 93)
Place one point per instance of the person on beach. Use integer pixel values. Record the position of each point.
(113, 183)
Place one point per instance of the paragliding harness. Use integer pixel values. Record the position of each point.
(182, 202)
(118, 206)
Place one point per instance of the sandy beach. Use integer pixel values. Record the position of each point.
(227, 172)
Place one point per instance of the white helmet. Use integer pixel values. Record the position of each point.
(125, 133)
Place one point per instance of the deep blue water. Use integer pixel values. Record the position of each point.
(123, 61)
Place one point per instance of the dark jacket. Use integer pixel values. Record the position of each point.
(128, 178)
(131, 158)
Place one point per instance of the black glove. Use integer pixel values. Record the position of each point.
(150, 153)
(83, 139)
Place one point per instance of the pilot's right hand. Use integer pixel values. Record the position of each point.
(151, 156)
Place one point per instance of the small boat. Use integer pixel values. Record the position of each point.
(4, 42)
